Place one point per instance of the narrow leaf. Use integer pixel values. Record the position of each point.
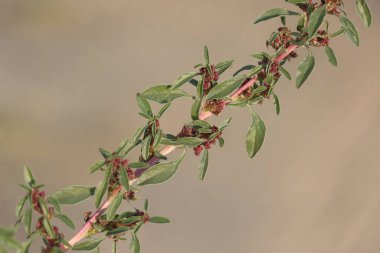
(88, 245)
(350, 30)
(124, 180)
(29, 179)
(74, 194)
(273, 13)
(305, 68)
(102, 187)
(255, 136)
(331, 56)
(157, 219)
(315, 21)
(276, 103)
(225, 88)
(115, 204)
(160, 173)
(163, 94)
(203, 165)
(183, 79)
(65, 219)
(190, 141)
(364, 12)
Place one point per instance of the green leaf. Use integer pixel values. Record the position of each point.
(195, 109)
(255, 71)
(331, 56)
(285, 73)
(65, 219)
(117, 231)
(115, 204)
(20, 206)
(221, 67)
(55, 203)
(102, 187)
(350, 30)
(184, 78)
(255, 136)
(273, 13)
(206, 55)
(276, 103)
(28, 175)
(48, 227)
(124, 180)
(145, 149)
(138, 165)
(135, 243)
(74, 194)
(225, 88)
(163, 94)
(144, 105)
(97, 166)
(316, 19)
(7, 231)
(305, 68)
(157, 219)
(190, 141)
(203, 165)
(27, 220)
(43, 206)
(364, 12)
(160, 172)
(88, 245)
(146, 204)
(296, 1)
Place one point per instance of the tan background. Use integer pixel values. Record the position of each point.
(69, 71)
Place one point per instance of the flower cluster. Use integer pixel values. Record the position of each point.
(321, 39)
(189, 131)
(215, 106)
(209, 74)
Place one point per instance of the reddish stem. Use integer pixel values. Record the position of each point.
(165, 151)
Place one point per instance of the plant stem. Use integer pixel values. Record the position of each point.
(165, 151)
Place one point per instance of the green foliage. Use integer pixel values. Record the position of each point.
(305, 68)
(364, 12)
(255, 135)
(273, 13)
(74, 194)
(160, 173)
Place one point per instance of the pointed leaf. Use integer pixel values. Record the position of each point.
(364, 12)
(305, 68)
(316, 19)
(276, 103)
(124, 180)
(74, 194)
(160, 173)
(273, 13)
(163, 94)
(102, 187)
(115, 204)
(88, 245)
(331, 56)
(28, 175)
(190, 141)
(65, 219)
(157, 219)
(225, 88)
(184, 78)
(203, 165)
(255, 136)
(350, 30)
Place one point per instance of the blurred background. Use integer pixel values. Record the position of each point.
(69, 71)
